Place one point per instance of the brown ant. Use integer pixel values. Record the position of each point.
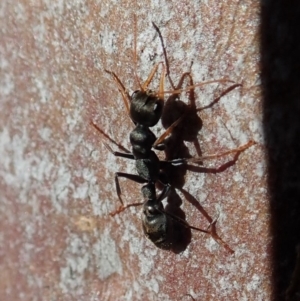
(145, 108)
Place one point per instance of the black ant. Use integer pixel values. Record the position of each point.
(145, 109)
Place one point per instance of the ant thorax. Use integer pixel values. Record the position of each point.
(148, 168)
(141, 139)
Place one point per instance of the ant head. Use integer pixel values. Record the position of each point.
(146, 108)
(155, 222)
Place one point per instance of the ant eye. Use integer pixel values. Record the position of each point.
(135, 93)
(156, 107)
(151, 209)
(149, 92)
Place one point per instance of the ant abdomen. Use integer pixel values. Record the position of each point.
(163, 230)
(155, 223)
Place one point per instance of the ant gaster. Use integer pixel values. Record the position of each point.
(145, 109)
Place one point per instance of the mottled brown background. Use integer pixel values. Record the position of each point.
(56, 177)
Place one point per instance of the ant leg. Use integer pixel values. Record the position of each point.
(212, 223)
(181, 161)
(122, 89)
(127, 153)
(149, 192)
(119, 154)
(131, 177)
(167, 186)
(177, 91)
(214, 156)
(178, 88)
(183, 222)
(215, 170)
(219, 97)
(189, 88)
(151, 75)
(217, 238)
(179, 85)
(167, 132)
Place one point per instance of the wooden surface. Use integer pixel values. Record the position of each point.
(58, 241)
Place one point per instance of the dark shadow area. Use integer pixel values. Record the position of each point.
(179, 107)
(280, 50)
(179, 236)
(186, 130)
(174, 109)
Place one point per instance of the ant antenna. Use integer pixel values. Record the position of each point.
(165, 54)
(135, 52)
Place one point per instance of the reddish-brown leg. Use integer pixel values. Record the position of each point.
(214, 156)
(122, 89)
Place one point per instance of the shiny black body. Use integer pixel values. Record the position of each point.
(145, 111)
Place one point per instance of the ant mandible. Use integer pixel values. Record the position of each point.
(145, 108)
